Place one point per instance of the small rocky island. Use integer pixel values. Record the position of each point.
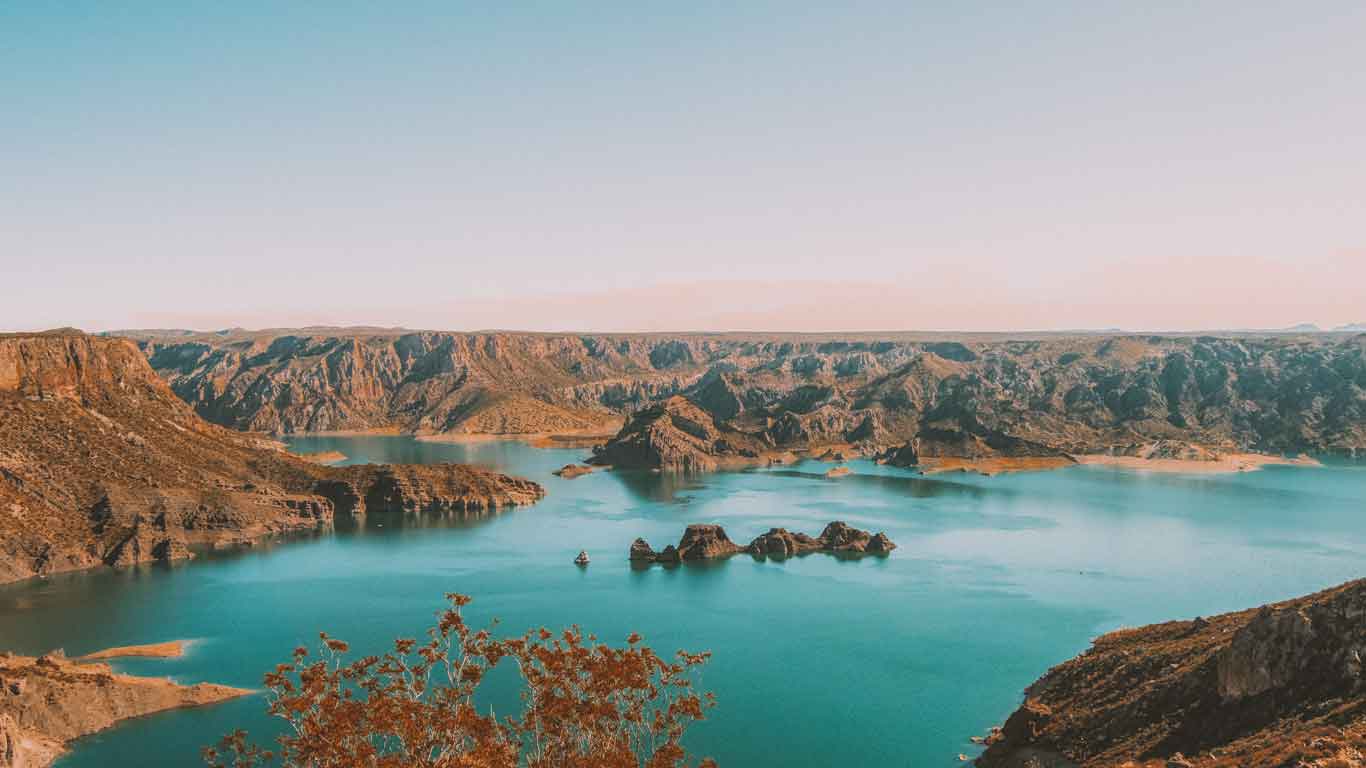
(703, 541)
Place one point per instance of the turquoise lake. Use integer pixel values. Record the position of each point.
(817, 661)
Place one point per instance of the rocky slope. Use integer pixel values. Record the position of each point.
(100, 463)
(50, 700)
(991, 396)
(1281, 685)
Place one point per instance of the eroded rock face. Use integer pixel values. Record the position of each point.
(1280, 648)
(100, 463)
(1248, 685)
(675, 434)
(1087, 394)
(705, 542)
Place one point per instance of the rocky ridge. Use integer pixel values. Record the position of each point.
(101, 464)
(1033, 397)
(1280, 685)
(50, 700)
(702, 541)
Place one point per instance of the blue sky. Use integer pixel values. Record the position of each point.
(649, 166)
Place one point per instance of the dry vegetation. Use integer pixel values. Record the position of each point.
(585, 704)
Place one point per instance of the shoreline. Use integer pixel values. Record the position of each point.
(171, 649)
(52, 701)
(1224, 464)
(326, 458)
(1243, 461)
(581, 439)
(994, 466)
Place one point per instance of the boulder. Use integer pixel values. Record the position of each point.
(780, 543)
(641, 551)
(703, 541)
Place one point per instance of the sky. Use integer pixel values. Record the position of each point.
(651, 166)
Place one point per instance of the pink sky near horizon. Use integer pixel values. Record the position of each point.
(1134, 299)
(751, 165)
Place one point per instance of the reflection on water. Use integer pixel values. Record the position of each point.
(872, 661)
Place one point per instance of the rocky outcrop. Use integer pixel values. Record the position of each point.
(1278, 685)
(1079, 394)
(709, 542)
(100, 463)
(641, 552)
(50, 700)
(571, 471)
(676, 434)
(425, 490)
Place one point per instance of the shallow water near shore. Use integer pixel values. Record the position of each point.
(817, 660)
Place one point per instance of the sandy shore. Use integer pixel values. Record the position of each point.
(349, 432)
(1229, 462)
(323, 457)
(994, 466)
(584, 439)
(173, 649)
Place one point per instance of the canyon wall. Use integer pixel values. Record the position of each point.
(1036, 395)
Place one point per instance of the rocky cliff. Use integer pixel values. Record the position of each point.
(100, 463)
(985, 395)
(1281, 685)
(50, 700)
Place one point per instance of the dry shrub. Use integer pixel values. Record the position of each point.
(584, 704)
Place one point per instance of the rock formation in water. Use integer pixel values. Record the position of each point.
(985, 396)
(702, 541)
(100, 463)
(50, 700)
(1281, 685)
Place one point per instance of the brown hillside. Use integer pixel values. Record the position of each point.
(100, 463)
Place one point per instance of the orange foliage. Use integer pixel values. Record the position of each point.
(584, 704)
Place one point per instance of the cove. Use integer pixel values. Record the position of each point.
(816, 660)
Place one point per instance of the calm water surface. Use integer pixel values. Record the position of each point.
(817, 661)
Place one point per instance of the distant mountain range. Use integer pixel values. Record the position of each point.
(973, 393)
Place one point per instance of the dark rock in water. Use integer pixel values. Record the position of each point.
(704, 542)
(640, 550)
(571, 471)
(840, 537)
(880, 544)
(778, 542)
(707, 542)
(902, 456)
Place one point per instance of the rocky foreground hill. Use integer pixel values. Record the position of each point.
(1280, 685)
(908, 397)
(100, 463)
